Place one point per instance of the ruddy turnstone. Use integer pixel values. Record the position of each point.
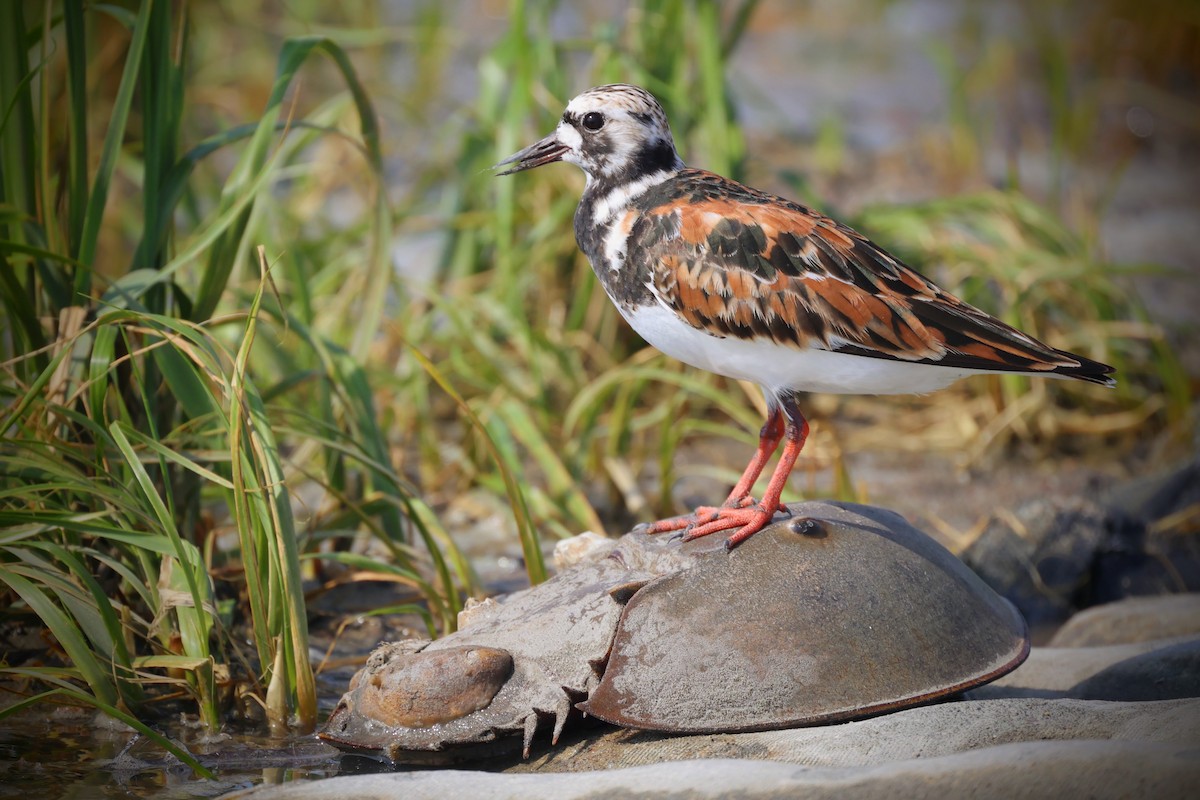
(755, 287)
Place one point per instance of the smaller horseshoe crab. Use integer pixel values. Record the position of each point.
(842, 611)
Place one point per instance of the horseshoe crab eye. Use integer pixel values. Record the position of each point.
(593, 121)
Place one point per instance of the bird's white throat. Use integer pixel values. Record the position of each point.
(619, 197)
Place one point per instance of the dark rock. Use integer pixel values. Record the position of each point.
(1054, 556)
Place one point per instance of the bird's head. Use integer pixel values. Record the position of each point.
(616, 134)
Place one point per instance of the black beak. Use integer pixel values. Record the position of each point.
(547, 151)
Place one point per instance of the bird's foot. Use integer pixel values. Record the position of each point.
(748, 520)
(745, 514)
(701, 516)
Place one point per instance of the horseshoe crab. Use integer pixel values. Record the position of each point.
(841, 611)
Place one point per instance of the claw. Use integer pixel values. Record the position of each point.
(701, 516)
(746, 515)
(748, 522)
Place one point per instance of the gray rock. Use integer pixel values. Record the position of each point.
(918, 733)
(1168, 672)
(1137, 619)
(1066, 671)
(1028, 769)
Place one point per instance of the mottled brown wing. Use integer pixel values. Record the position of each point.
(737, 262)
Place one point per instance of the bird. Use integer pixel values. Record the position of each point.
(755, 287)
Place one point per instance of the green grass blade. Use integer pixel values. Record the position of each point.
(113, 139)
(77, 155)
(194, 618)
(66, 632)
(563, 486)
(530, 547)
(268, 536)
(254, 162)
(109, 638)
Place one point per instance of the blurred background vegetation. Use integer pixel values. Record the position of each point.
(270, 326)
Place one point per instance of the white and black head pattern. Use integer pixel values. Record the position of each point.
(617, 134)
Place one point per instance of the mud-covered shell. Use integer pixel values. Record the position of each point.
(516, 662)
(841, 613)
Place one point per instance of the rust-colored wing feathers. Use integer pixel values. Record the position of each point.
(738, 262)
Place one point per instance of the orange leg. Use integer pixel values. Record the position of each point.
(768, 440)
(740, 511)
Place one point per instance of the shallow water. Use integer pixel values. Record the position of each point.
(67, 753)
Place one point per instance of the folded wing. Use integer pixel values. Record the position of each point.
(734, 261)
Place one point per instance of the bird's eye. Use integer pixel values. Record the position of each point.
(593, 120)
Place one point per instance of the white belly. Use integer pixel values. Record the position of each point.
(779, 367)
